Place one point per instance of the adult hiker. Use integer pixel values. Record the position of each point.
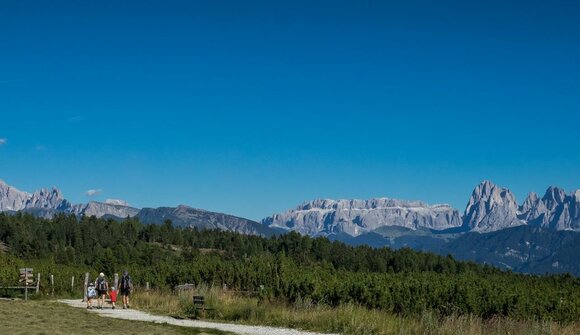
(102, 289)
(125, 288)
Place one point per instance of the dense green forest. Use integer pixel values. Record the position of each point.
(290, 267)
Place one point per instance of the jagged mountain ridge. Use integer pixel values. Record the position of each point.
(556, 210)
(46, 203)
(490, 208)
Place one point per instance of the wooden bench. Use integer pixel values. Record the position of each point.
(199, 305)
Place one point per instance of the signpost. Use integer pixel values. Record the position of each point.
(26, 278)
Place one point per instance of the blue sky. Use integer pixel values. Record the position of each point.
(252, 107)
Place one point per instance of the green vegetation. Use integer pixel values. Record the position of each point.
(52, 318)
(347, 319)
(295, 271)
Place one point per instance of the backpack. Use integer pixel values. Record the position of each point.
(91, 293)
(102, 284)
(126, 282)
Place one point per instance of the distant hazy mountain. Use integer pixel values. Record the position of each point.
(100, 209)
(46, 203)
(522, 248)
(185, 216)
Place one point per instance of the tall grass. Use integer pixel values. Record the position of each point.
(345, 319)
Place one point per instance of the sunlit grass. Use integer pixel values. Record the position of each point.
(346, 319)
(54, 318)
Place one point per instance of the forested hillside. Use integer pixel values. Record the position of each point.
(291, 267)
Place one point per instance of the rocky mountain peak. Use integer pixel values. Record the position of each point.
(12, 199)
(531, 201)
(555, 210)
(47, 199)
(491, 208)
(554, 196)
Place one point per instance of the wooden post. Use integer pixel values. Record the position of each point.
(37, 282)
(147, 285)
(116, 281)
(52, 284)
(26, 276)
(72, 284)
(85, 286)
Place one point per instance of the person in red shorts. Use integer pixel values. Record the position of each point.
(113, 295)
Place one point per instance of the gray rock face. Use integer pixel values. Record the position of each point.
(100, 209)
(491, 208)
(12, 199)
(556, 210)
(356, 217)
(48, 199)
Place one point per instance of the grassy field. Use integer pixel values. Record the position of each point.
(53, 318)
(347, 319)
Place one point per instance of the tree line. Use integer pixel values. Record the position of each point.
(290, 267)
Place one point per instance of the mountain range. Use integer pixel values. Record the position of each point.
(490, 208)
(542, 235)
(48, 202)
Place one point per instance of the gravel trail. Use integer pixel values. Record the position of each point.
(136, 315)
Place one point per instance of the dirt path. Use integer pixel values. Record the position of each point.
(136, 315)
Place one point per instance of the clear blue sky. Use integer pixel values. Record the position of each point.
(251, 107)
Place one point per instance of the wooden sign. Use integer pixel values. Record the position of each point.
(26, 276)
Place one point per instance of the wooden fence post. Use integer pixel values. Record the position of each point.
(116, 282)
(72, 284)
(85, 286)
(52, 284)
(37, 282)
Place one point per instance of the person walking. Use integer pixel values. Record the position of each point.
(125, 288)
(91, 294)
(113, 295)
(102, 289)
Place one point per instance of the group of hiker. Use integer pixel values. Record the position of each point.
(100, 289)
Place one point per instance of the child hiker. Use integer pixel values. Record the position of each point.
(91, 294)
(113, 295)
